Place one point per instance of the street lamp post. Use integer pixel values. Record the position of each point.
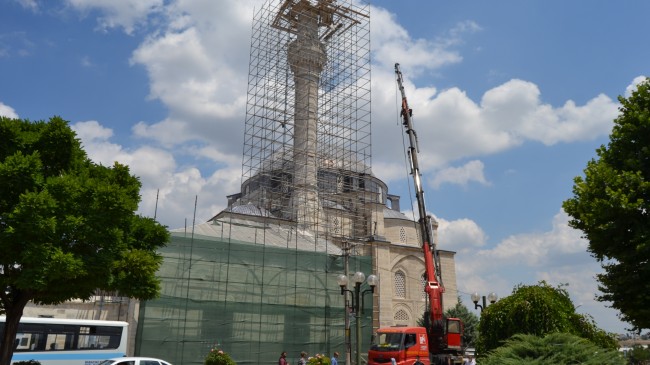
(357, 296)
(492, 297)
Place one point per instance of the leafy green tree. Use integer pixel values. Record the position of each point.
(67, 225)
(537, 310)
(611, 206)
(638, 355)
(552, 349)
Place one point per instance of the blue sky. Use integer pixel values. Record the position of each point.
(511, 99)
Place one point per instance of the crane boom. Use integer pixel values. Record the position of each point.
(434, 287)
(440, 337)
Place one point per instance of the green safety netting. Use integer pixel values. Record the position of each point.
(249, 299)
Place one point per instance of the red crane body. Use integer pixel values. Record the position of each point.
(440, 339)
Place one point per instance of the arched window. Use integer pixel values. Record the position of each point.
(400, 284)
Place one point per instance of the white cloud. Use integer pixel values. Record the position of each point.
(632, 87)
(126, 14)
(92, 131)
(391, 42)
(546, 249)
(29, 4)
(451, 126)
(173, 186)
(198, 69)
(516, 108)
(7, 111)
(460, 235)
(471, 171)
(558, 256)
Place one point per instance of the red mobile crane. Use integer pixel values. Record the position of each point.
(439, 341)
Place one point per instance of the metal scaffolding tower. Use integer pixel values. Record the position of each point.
(307, 148)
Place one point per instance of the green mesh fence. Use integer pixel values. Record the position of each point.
(250, 300)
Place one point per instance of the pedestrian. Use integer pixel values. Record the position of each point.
(283, 359)
(472, 361)
(417, 361)
(303, 358)
(335, 359)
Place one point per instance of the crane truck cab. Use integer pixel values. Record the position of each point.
(406, 344)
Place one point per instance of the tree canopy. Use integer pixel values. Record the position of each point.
(552, 349)
(67, 225)
(536, 310)
(611, 206)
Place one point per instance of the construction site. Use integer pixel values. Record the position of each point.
(260, 277)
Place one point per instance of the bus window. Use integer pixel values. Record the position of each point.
(56, 341)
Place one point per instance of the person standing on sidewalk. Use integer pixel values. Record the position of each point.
(303, 358)
(283, 359)
(335, 359)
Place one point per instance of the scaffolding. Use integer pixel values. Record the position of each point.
(307, 146)
(259, 277)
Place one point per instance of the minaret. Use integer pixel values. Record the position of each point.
(307, 134)
(307, 57)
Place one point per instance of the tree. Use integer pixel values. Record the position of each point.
(552, 349)
(611, 206)
(537, 310)
(67, 225)
(638, 355)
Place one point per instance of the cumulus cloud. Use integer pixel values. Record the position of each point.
(460, 235)
(516, 108)
(541, 249)
(198, 69)
(168, 189)
(391, 42)
(451, 126)
(632, 87)
(558, 256)
(471, 171)
(7, 111)
(126, 14)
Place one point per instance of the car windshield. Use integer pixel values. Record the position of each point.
(388, 341)
(107, 362)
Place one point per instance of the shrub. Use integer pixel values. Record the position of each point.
(319, 359)
(218, 357)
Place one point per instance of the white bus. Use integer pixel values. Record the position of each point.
(53, 341)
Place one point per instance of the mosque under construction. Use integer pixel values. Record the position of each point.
(259, 277)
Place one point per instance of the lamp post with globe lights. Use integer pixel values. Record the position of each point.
(357, 296)
(492, 297)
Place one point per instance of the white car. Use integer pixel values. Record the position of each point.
(134, 361)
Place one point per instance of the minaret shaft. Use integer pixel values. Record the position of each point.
(307, 57)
